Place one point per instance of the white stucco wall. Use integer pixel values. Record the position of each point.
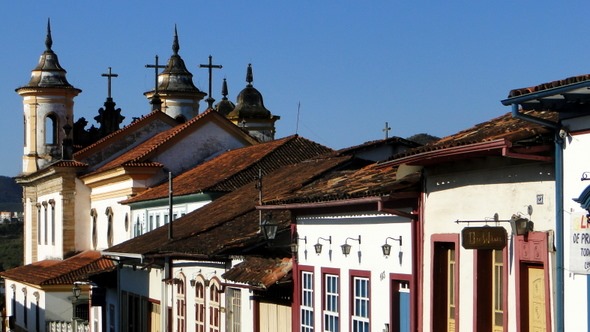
(478, 195)
(576, 161)
(367, 255)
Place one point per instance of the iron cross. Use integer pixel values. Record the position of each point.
(210, 66)
(109, 76)
(156, 67)
(386, 130)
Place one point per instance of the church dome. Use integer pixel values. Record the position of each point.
(225, 106)
(249, 102)
(48, 73)
(175, 77)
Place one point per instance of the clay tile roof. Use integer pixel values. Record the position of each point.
(205, 230)
(505, 127)
(69, 163)
(238, 167)
(549, 85)
(61, 272)
(260, 272)
(370, 181)
(375, 143)
(144, 120)
(147, 148)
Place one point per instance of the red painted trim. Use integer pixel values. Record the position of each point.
(296, 286)
(447, 238)
(418, 266)
(505, 282)
(531, 250)
(256, 313)
(394, 279)
(418, 269)
(297, 296)
(362, 274)
(431, 156)
(332, 271)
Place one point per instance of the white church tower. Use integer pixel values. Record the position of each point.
(175, 93)
(48, 101)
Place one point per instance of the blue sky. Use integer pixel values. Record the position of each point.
(422, 66)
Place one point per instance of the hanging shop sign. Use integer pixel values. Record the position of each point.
(486, 237)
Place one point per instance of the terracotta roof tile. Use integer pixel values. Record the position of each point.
(371, 144)
(549, 85)
(235, 168)
(260, 272)
(150, 146)
(61, 272)
(371, 181)
(506, 127)
(125, 131)
(205, 231)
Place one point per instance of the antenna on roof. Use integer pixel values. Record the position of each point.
(297, 123)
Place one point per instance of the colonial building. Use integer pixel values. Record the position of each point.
(74, 177)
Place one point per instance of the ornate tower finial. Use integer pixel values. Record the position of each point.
(48, 40)
(249, 76)
(175, 44)
(224, 91)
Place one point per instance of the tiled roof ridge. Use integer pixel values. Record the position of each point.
(61, 272)
(462, 138)
(157, 142)
(273, 155)
(167, 135)
(147, 192)
(135, 123)
(378, 141)
(549, 85)
(269, 159)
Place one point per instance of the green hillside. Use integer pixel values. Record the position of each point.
(10, 195)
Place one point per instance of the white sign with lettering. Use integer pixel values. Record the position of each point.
(579, 243)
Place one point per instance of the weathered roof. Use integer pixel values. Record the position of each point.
(61, 272)
(260, 272)
(235, 168)
(371, 181)
(376, 143)
(206, 231)
(549, 85)
(568, 95)
(120, 134)
(509, 131)
(143, 151)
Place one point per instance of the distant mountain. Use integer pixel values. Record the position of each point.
(11, 195)
(423, 138)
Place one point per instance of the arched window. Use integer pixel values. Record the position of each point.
(180, 119)
(109, 213)
(51, 129)
(199, 304)
(181, 303)
(45, 229)
(214, 306)
(93, 216)
(38, 223)
(52, 204)
(126, 222)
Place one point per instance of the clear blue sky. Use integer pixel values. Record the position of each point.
(435, 67)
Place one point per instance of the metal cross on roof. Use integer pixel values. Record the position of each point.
(109, 76)
(156, 67)
(386, 130)
(210, 66)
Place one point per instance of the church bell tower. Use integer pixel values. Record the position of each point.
(48, 101)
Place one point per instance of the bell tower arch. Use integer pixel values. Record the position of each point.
(48, 103)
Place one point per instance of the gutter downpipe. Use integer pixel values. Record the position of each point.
(559, 297)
